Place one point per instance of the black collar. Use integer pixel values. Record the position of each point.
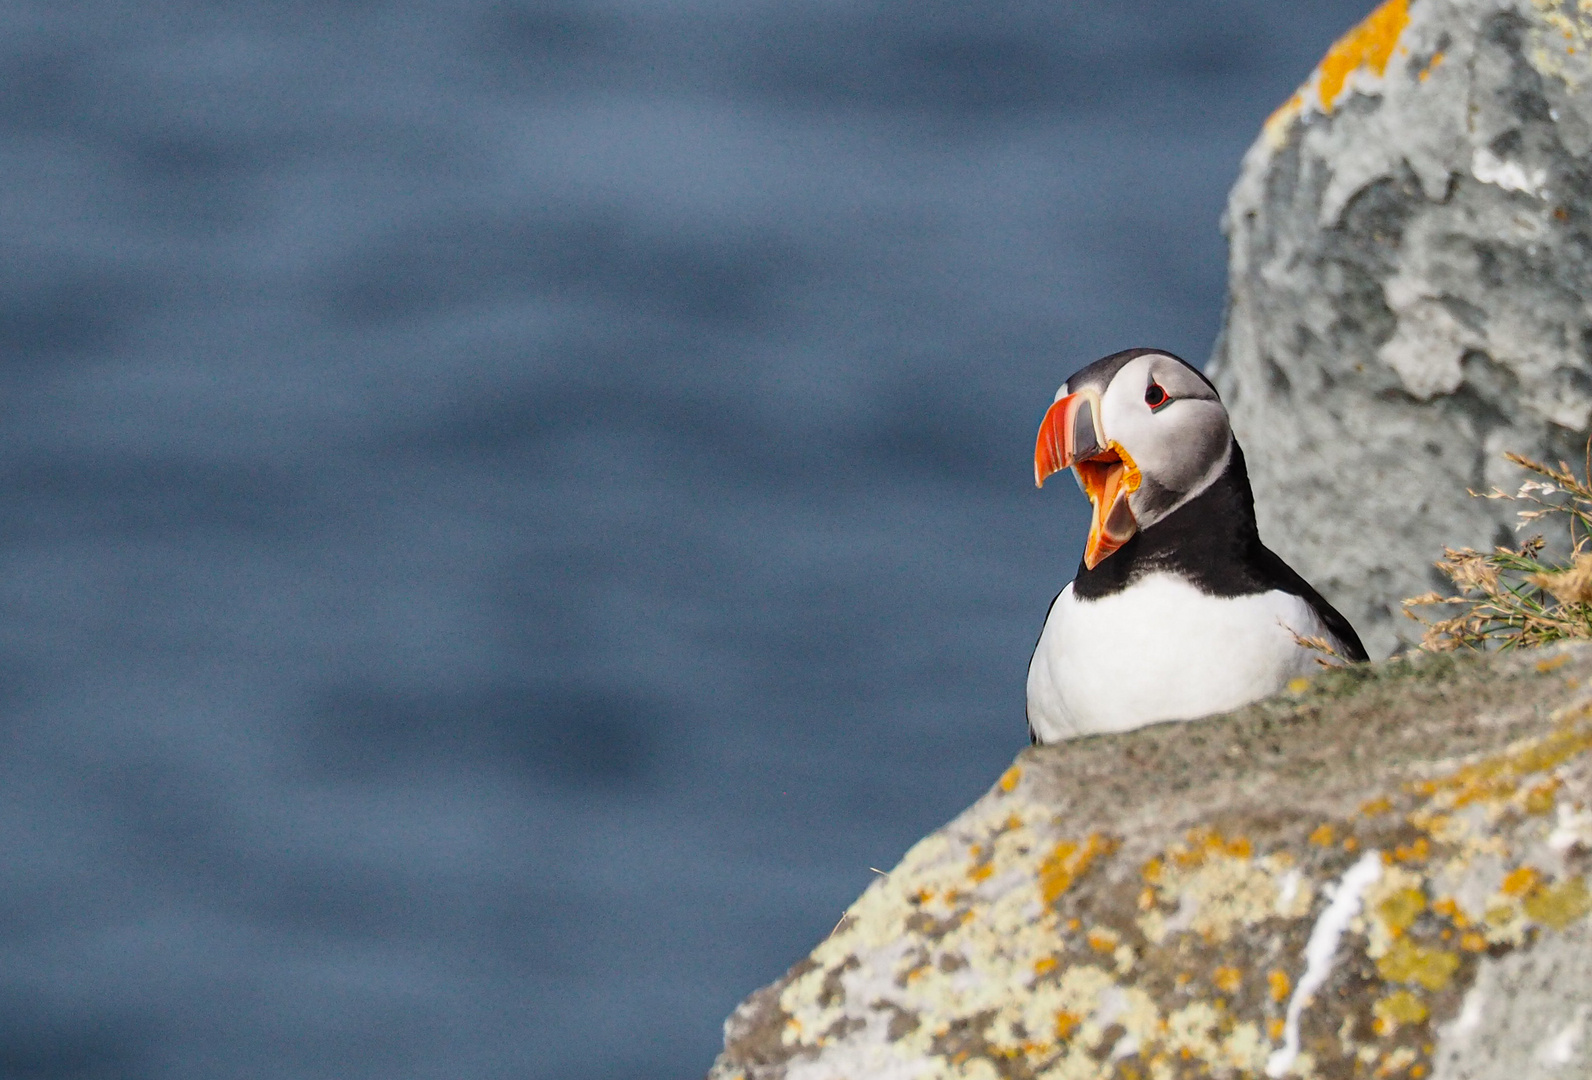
(1212, 542)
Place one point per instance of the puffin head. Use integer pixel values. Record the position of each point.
(1144, 432)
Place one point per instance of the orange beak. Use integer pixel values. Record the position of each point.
(1071, 436)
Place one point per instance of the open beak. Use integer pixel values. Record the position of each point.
(1071, 437)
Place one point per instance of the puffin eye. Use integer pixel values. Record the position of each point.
(1154, 396)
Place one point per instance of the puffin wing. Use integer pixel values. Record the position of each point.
(1284, 577)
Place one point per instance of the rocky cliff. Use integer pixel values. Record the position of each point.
(1411, 290)
(1382, 874)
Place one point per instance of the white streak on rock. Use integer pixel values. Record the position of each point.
(1470, 1013)
(1289, 889)
(1489, 168)
(1574, 827)
(1560, 1049)
(1320, 951)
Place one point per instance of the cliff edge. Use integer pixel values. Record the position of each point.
(1380, 874)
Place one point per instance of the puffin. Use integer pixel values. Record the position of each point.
(1177, 609)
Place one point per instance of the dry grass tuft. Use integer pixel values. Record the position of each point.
(1327, 653)
(1509, 598)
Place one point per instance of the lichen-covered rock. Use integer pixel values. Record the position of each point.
(1380, 874)
(1410, 287)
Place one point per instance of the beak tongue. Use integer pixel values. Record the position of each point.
(1071, 436)
(1108, 480)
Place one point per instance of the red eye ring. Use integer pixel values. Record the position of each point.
(1155, 397)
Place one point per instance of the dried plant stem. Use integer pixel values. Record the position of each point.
(1509, 598)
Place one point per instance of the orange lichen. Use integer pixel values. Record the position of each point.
(1500, 777)
(1198, 846)
(1417, 852)
(1066, 1024)
(1323, 836)
(1102, 940)
(1228, 979)
(1376, 806)
(1280, 985)
(1431, 65)
(1369, 45)
(1044, 964)
(1448, 908)
(1068, 861)
(1520, 881)
(1008, 780)
(981, 871)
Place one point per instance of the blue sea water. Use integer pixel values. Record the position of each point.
(509, 509)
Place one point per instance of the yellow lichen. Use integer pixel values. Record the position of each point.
(1323, 836)
(1541, 799)
(1279, 984)
(1401, 909)
(1009, 779)
(1557, 906)
(1400, 1007)
(1244, 1049)
(1407, 962)
(1228, 979)
(1189, 1031)
(1562, 38)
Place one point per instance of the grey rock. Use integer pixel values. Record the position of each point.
(1410, 292)
(1383, 873)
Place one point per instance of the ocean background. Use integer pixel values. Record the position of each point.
(509, 509)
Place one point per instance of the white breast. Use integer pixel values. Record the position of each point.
(1162, 650)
